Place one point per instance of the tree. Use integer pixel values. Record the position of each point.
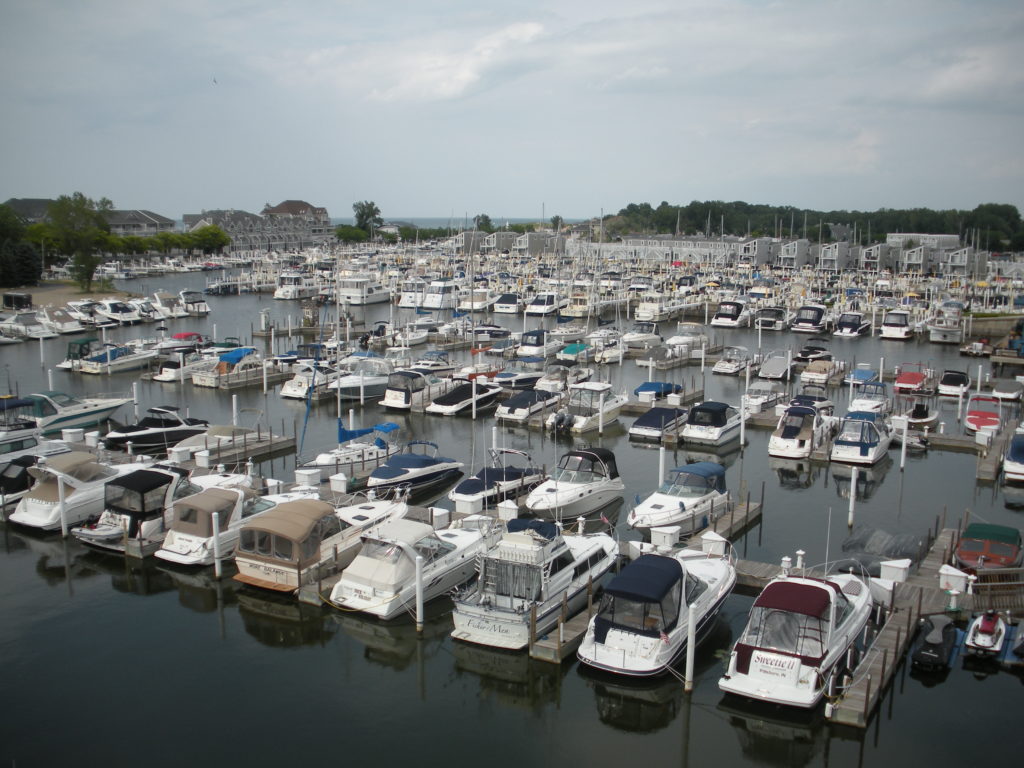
(483, 222)
(556, 223)
(80, 226)
(367, 216)
(349, 234)
(209, 238)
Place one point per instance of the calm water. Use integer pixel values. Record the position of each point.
(109, 663)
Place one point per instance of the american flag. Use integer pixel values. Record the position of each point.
(664, 637)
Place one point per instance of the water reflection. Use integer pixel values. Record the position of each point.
(794, 474)
(128, 574)
(396, 644)
(283, 622)
(199, 590)
(58, 560)
(774, 735)
(725, 455)
(869, 479)
(513, 678)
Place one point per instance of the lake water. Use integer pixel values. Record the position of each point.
(115, 663)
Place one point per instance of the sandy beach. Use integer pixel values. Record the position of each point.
(57, 293)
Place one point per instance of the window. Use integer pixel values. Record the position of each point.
(263, 542)
(564, 561)
(247, 540)
(283, 548)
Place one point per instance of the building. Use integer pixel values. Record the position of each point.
(139, 223)
(31, 210)
(289, 226)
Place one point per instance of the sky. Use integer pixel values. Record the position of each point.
(445, 108)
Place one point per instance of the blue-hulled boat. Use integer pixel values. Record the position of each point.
(419, 468)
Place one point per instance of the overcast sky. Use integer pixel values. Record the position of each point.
(434, 108)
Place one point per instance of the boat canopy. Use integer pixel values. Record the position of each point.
(659, 417)
(808, 599)
(1016, 452)
(235, 355)
(709, 414)
(541, 527)
(13, 403)
(992, 532)
(138, 493)
(194, 515)
(647, 579)
(593, 460)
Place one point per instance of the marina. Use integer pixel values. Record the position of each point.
(364, 669)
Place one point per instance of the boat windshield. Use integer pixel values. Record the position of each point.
(641, 616)
(381, 551)
(63, 400)
(896, 318)
(780, 630)
(686, 486)
(856, 431)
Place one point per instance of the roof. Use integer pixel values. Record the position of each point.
(65, 462)
(211, 500)
(702, 469)
(121, 218)
(803, 597)
(293, 208)
(647, 579)
(292, 519)
(601, 453)
(711, 405)
(406, 531)
(142, 480)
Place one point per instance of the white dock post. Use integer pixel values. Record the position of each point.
(135, 397)
(472, 387)
(978, 387)
(691, 651)
(661, 465)
(419, 594)
(903, 447)
(264, 377)
(703, 356)
(234, 410)
(63, 507)
(494, 438)
(217, 568)
(600, 415)
(49, 378)
(362, 388)
(853, 495)
(42, 351)
(881, 369)
(351, 418)
(743, 421)
(214, 331)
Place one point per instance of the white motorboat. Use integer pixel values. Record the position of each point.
(861, 374)
(796, 639)
(657, 422)
(298, 542)
(814, 396)
(954, 384)
(418, 468)
(561, 375)
(545, 303)
(293, 284)
(810, 318)
(693, 496)
(734, 361)
(711, 423)
(773, 319)
(591, 405)
(381, 580)
(584, 480)
(311, 379)
(358, 290)
(523, 375)
(986, 634)
(507, 304)
(115, 358)
(801, 429)
(194, 303)
(946, 326)
(732, 314)
(1013, 461)
(180, 368)
(357, 458)
(776, 365)
(510, 475)
(162, 427)
(55, 411)
(522, 405)
(642, 624)
(642, 334)
(168, 305)
(983, 413)
(434, 361)
(117, 311)
(532, 575)
(59, 321)
(222, 438)
(762, 395)
(896, 325)
(872, 397)
(863, 438)
(411, 390)
(234, 366)
(78, 477)
(820, 371)
(366, 379)
(27, 325)
(464, 397)
(537, 343)
(914, 379)
(441, 294)
(851, 325)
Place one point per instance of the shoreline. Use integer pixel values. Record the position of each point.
(58, 293)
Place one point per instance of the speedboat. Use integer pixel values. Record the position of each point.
(986, 634)
(920, 416)
(381, 580)
(366, 379)
(419, 467)
(522, 405)
(354, 457)
(434, 361)
(820, 371)
(776, 365)
(181, 368)
(591, 405)
(988, 547)
(163, 427)
(117, 311)
(800, 431)
(1007, 390)
(693, 496)
(731, 314)
(59, 321)
(814, 396)
(657, 422)
(851, 325)
(862, 373)
(523, 375)
(773, 319)
(642, 624)
(872, 397)
(537, 343)
(914, 379)
(298, 542)
(55, 411)
(762, 395)
(236, 365)
(170, 306)
(115, 358)
(954, 384)
(194, 303)
(1013, 461)
(711, 423)
(507, 304)
(510, 474)
(464, 397)
(946, 326)
(77, 478)
(863, 438)
(984, 413)
(896, 325)
(411, 390)
(936, 642)
(545, 303)
(796, 639)
(814, 349)
(561, 375)
(311, 379)
(734, 361)
(533, 575)
(810, 318)
(584, 480)
(642, 334)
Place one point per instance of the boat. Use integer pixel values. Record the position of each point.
(55, 411)
(1013, 460)
(649, 391)
(591, 405)
(732, 314)
(433, 361)
(534, 575)
(482, 369)
(298, 542)
(168, 305)
(860, 374)
(936, 642)
(440, 294)
(463, 398)
(872, 397)
(234, 365)
(773, 319)
(693, 496)
(510, 475)
(116, 311)
(954, 384)
(915, 379)
(381, 580)
(920, 415)
(311, 379)
(194, 303)
(59, 321)
(181, 368)
(223, 438)
(507, 304)
(986, 634)
(946, 326)
(584, 480)
(984, 413)
(816, 348)
(77, 476)
(810, 318)
(366, 378)
(794, 646)
(524, 404)
(358, 290)
(356, 458)
(851, 325)
(115, 358)
(561, 375)
(863, 438)
(419, 467)
(537, 343)
(734, 361)
(642, 334)
(896, 325)
(776, 365)
(801, 430)
(522, 375)
(545, 303)
(820, 371)
(657, 422)
(711, 423)
(147, 312)
(642, 624)
(163, 427)
(988, 547)
(1007, 390)
(411, 390)
(411, 293)
(814, 396)
(762, 395)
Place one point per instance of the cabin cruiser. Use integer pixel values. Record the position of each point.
(642, 334)
(115, 358)
(117, 311)
(292, 284)
(537, 343)
(170, 306)
(78, 477)
(814, 396)
(773, 319)
(946, 326)
(815, 349)
(523, 375)
(658, 422)
(796, 639)
(381, 580)
(533, 575)
(591, 405)
(525, 403)
(1007, 390)
(734, 361)
(800, 431)
(411, 293)
(762, 395)
(221, 438)
(366, 378)
(236, 365)
(433, 361)
(354, 457)
(55, 411)
(59, 321)
(851, 325)
(863, 438)
(561, 375)
(440, 294)
(732, 314)
(164, 426)
(510, 474)
(180, 368)
(190, 539)
(693, 496)
(810, 318)
(411, 390)
(298, 542)
(27, 325)
(465, 397)
(711, 423)
(862, 373)
(642, 623)
(545, 303)
(359, 290)
(954, 384)
(311, 379)
(507, 304)
(193, 303)
(1013, 461)
(419, 468)
(872, 397)
(584, 480)
(896, 325)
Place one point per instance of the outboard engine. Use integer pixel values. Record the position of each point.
(563, 421)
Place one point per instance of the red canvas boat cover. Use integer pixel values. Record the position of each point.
(808, 599)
